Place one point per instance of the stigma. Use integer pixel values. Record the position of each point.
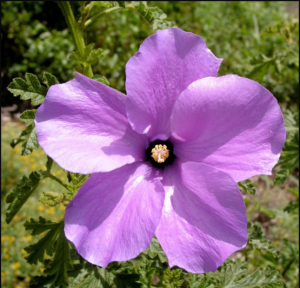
(160, 153)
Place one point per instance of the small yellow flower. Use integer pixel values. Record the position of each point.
(3, 273)
(29, 238)
(34, 166)
(41, 208)
(42, 269)
(50, 211)
(6, 256)
(16, 265)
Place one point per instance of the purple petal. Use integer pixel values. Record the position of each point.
(167, 62)
(114, 215)
(204, 217)
(83, 126)
(230, 123)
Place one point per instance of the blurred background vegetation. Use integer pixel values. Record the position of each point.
(258, 40)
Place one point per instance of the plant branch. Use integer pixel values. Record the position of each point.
(75, 32)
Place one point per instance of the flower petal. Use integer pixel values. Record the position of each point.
(204, 217)
(114, 215)
(83, 126)
(167, 62)
(230, 123)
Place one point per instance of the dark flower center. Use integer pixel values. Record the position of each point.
(160, 153)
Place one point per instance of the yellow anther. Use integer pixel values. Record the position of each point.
(160, 153)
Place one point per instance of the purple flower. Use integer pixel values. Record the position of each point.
(165, 158)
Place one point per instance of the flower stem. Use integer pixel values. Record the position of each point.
(75, 32)
(58, 181)
(127, 6)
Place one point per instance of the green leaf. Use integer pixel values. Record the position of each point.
(291, 123)
(121, 3)
(146, 271)
(235, 275)
(258, 240)
(28, 116)
(155, 250)
(52, 198)
(91, 56)
(289, 159)
(49, 79)
(28, 138)
(101, 79)
(247, 186)
(76, 180)
(29, 89)
(19, 195)
(172, 278)
(41, 282)
(106, 4)
(61, 263)
(38, 227)
(153, 15)
(36, 252)
(28, 135)
(293, 206)
(199, 281)
(96, 277)
(281, 176)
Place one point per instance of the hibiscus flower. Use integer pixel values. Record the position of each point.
(165, 159)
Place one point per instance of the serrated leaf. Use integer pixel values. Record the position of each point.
(20, 194)
(199, 281)
(40, 226)
(172, 278)
(29, 89)
(28, 116)
(259, 71)
(101, 79)
(291, 123)
(41, 282)
(235, 275)
(52, 198)
(146, 271)
(289, 159)
(61, 263)
(247, 186)
(154, 15)
(258, 240)
(96, 277)
(281, 176)
(36, 252)
(260, 278)
(76, 180)
(155, 250)
(29, 139)
(91, 56)
(49, 79)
